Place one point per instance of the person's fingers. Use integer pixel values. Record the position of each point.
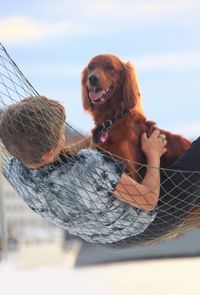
(144, 136)
(165, 142)
(162, 137)
(155, 133)
(164, 151)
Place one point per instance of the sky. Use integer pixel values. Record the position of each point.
(52, 41)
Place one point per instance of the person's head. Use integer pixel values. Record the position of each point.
(32, 130)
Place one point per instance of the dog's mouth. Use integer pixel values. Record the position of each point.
(98, 95)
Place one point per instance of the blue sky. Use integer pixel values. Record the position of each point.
(51, 41)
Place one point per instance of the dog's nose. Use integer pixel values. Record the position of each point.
(93, 80)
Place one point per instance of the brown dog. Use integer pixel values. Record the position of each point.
(111, 95)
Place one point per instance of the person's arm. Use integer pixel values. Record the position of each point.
(144, 195)
(77, 146)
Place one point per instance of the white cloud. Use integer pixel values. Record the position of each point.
(175, 60)
(97, 17)
(21, 29)
(167, 7)
(120, 13)
(117, 8)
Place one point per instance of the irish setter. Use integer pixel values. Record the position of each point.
(111, 95)
(110, 92)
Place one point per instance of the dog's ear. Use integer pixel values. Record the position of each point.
(131, 93)
(85, 98)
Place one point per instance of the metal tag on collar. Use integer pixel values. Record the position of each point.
(107, 124)
(104, 132)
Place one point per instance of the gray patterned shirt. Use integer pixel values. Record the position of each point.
(75, 193)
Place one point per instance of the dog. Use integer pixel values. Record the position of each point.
(110, 93)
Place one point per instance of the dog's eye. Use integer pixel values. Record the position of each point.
(109, 67)
(91, 67)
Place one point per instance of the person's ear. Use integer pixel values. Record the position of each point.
(48, 156)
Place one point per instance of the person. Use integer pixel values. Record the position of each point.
(82, 190)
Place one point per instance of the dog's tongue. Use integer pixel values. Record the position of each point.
(96, 95)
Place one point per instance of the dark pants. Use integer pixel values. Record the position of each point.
(180, 191)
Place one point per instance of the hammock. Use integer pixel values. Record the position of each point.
(173, 214)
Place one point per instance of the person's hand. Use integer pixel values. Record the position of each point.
(155, 145)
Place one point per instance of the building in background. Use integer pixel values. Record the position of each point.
(18, 222)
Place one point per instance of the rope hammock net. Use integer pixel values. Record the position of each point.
(87, 213)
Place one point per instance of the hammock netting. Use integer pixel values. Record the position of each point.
(175, 212)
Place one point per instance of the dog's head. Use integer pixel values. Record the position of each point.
(107, 78)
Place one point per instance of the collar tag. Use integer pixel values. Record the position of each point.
(103, 136)
(107, 125)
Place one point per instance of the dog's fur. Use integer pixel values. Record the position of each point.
(125, 135)
(122, 95)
